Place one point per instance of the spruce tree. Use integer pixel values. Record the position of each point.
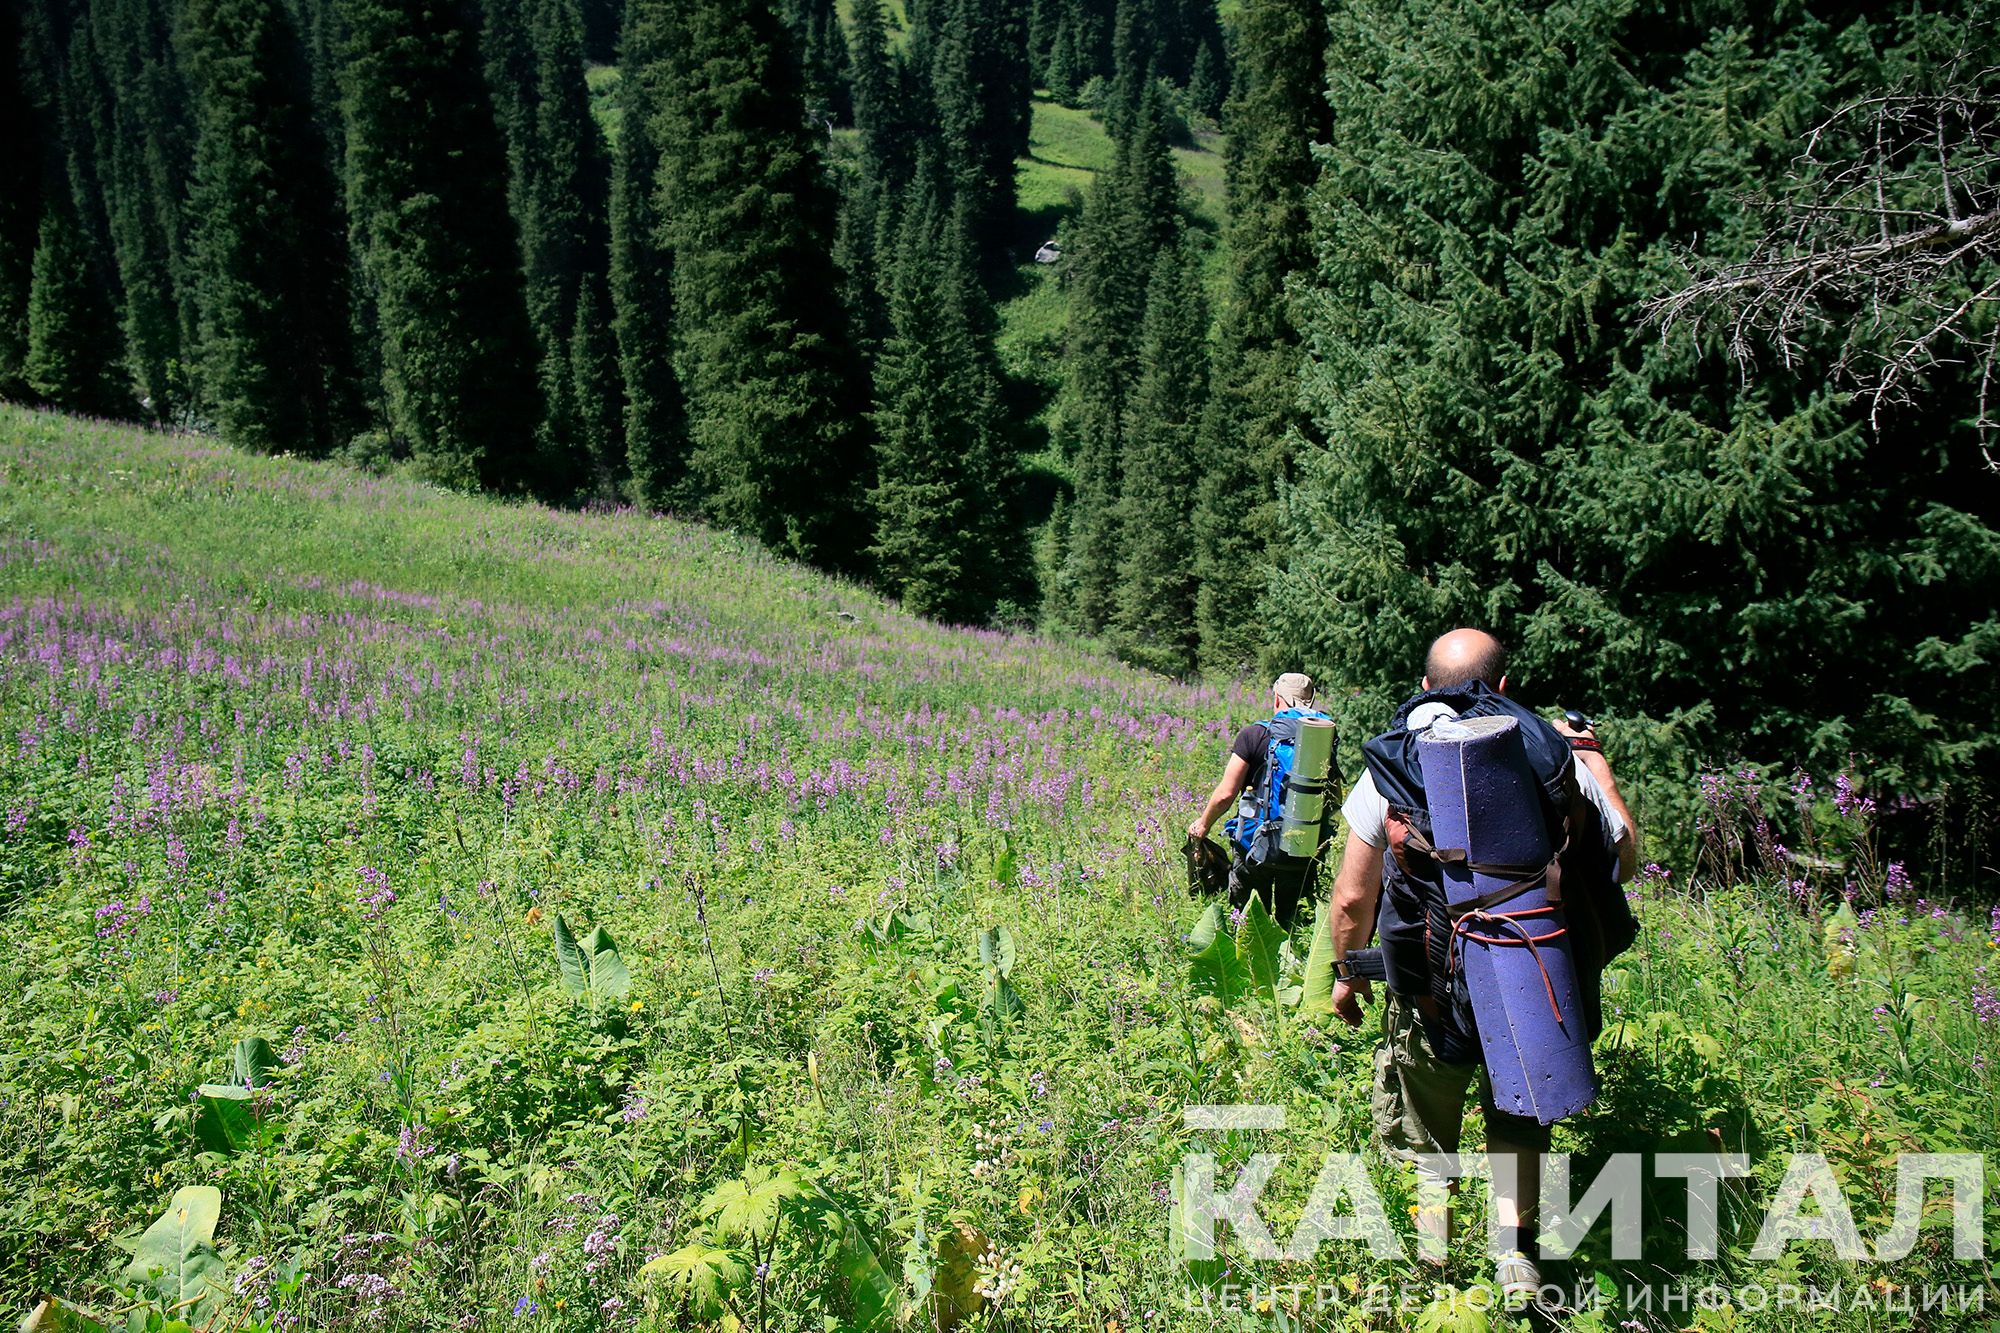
(268, 258)
(1278, 114)
(426, 178)
(654, 430)
(1154, 623)
(1131, 214)
(981, 91)
(880, 172)
(558, 181)
(593, 372)
(946, 503)
(1723, 569)
(72, 332)
(143, 147)
(1065, 79)
(777, 399)
(21, 169)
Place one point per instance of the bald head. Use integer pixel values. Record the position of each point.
(1463, 656)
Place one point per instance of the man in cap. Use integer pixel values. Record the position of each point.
(1285, 883)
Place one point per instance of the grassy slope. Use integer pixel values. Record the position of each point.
(229, 685)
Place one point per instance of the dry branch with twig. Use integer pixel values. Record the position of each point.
(1881, 239)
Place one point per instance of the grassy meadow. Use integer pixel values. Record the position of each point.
(542, 920)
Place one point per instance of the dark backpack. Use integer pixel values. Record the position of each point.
(1254, 832)
(1413, 918)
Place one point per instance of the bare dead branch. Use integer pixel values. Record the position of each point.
(1882, 242)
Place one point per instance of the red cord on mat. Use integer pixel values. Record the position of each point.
(1510, 921)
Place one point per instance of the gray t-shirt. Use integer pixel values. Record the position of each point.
(1367, 813)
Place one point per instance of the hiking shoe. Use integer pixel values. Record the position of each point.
(1518, 1279)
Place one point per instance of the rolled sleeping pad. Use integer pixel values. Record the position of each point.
(1301, 819)
(1484, 799)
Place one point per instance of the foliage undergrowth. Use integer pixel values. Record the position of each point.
(437, 913)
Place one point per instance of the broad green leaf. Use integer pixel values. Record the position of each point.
(749, 1205)
(255, 1060)
(1457, 1312)
(1206, 929)
(1000, 1000)
(1316, 998)
(176, 1255)
(996, 949)
(1218, 971)
(702, 1276)
(225, 1123)
(1257, 941)
(1006, 863)
(575, 967)
(918, 1264)
(610, 979)
(876, 1296)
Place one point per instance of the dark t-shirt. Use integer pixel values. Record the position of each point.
(1251, 744)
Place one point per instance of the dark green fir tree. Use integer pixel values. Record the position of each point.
(654, 429)
(777, 398)
(73, 340)
(427, 194)
(1249, 432)
(268, 256)
(1153, 622)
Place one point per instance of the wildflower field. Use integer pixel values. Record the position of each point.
(417, 912)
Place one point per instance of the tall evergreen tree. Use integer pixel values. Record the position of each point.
(821, 44)
(863, 244)
(558, 181)
(776, 397)
(594, 389)
(21, 172)
(72, 331)
(1154, 622)
(1130, 215)
(946, 502)
(268, 259)
(145, 155)
(1278, 113)
(982, 94)
(426, 178)
(1729, 571)
(655, 421)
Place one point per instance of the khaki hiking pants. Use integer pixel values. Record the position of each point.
(1419, 1101)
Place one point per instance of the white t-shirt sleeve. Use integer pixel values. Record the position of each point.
(1366, 813)
(1614, 824)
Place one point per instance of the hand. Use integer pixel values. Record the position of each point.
(1197, 830)
(1348, 997)
(1562, 725)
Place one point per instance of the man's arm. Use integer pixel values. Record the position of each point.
(1594, 762)
(1234, 774)
(1351, 917)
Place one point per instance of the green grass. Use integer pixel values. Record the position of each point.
(602, 83)
(244, 699)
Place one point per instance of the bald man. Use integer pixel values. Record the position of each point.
(1427, 1061)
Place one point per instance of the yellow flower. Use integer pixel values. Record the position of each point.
(637, 1005)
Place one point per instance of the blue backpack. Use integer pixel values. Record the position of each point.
(1260, 814)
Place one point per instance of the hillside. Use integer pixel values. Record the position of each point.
(897, 962)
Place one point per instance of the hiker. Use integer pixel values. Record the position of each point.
(1257, 772)
(1430, 1053)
